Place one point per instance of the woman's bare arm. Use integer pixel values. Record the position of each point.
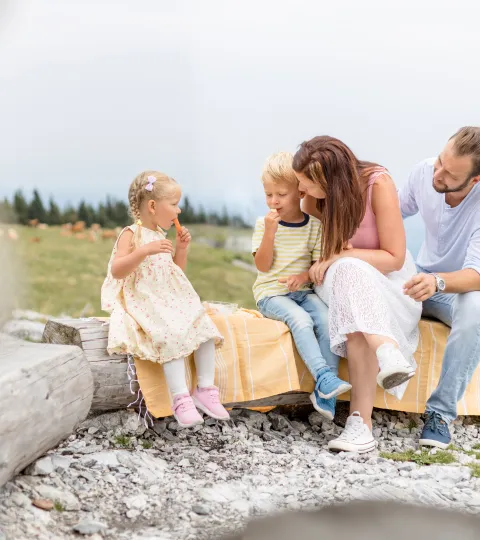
(391, 232)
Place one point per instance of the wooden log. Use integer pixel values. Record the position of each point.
(110, 379)
(45, 391)
(111, 387)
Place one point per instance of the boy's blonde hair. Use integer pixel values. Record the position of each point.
(278, 168)
(163, 187)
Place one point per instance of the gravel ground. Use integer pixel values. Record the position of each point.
(116, 479)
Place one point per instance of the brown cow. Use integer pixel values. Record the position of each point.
(78, 227)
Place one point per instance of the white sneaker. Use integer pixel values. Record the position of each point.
(394, 368)
(356, 437)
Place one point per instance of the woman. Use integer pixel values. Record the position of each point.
(371, 321)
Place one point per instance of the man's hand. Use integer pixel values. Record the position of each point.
(183, 239)
(272, 219)
(294, 283)
(421, 287)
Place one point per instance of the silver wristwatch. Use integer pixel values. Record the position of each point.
(440, 282)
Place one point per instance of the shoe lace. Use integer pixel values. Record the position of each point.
(436, 423)
(352, 431)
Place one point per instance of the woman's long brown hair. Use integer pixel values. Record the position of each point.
(330, 163)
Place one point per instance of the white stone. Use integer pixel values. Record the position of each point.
(41, 467)
(136, 502)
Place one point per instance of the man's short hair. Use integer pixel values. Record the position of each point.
(467, 143)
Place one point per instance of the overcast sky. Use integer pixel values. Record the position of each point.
(93, 92)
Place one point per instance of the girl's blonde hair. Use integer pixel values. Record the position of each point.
(163, 187)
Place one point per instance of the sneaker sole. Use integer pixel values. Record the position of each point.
(340, 390)
(391, 380)
(325, 414)
(433, 444)
(349, 447)
(196, 423)
(207, 411)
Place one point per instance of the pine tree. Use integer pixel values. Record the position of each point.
(7, 214)
(224, 219)
(86, 213)
(36, 210)
(69, 215)
(188, 213)
(101, 215)
(201, 215)
(54, 216)
(20, 207)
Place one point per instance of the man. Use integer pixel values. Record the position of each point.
(446, 192)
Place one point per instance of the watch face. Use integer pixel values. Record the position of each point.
(441, 284)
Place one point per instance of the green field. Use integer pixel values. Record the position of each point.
(63, 275)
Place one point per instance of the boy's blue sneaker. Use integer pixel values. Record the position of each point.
(328, 385)
(326, 407)
(435, 431)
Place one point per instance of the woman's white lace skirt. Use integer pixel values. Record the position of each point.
(362, 299)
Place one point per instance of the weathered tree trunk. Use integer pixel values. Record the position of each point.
(110, 380)
(111, 384)
(45, 391)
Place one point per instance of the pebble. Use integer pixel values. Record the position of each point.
(43, 504)
(87, 527)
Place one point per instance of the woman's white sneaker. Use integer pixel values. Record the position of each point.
(394, 368)
(356, 437)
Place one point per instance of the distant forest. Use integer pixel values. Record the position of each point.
(109, 214)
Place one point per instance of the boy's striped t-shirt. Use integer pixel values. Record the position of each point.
(296, 247)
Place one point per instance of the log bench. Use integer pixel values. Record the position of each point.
(258, 359)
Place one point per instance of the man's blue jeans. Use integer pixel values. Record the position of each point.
(307, 317)
(462, 354)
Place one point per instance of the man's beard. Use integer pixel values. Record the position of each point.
(446, 189)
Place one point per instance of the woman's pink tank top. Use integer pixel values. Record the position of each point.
(366, 236)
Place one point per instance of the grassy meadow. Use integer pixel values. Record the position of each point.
(63, 275)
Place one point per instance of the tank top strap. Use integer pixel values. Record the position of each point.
(378, 171)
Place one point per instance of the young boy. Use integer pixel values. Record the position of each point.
(286, 242)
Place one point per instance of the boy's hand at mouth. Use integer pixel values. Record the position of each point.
(272, 219)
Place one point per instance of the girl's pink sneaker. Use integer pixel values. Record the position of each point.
(185, 412)
(208, 400)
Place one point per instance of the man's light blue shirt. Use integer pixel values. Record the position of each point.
(452, 235)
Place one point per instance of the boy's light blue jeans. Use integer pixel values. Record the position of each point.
(462, 354)
(307, 317)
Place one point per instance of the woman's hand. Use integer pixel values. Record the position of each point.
(159, 246)
(183, 239)
(295, 282)
(319, 269)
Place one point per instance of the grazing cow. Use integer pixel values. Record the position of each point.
(78, 227)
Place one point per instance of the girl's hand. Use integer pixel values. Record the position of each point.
(159, 246)
(183, 238)
(294, 283)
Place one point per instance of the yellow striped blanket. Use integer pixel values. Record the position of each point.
(259, 360)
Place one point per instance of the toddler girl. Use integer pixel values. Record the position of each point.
(156, 314)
